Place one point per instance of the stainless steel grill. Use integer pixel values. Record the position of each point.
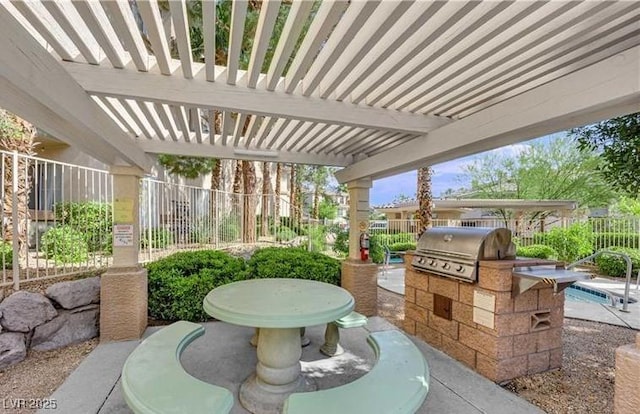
(455, 251)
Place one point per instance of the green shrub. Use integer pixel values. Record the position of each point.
(285, 234)
(92, 219)
(376, 249)
(571, 243)
(64, 244)
(229, 229)
(612, 265)
(318, 237)
(402, 247)
(605, 240)
(6, 255)
(538, 251)
(294, 263)
(160, 238)
(341, 244)
(179, 283)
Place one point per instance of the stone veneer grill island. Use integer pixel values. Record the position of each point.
(500, 334)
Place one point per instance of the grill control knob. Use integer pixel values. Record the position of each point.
(446, 266)
(432, 262)
(460, 269)
(421, 260)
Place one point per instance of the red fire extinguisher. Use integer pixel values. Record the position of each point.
(364, 247)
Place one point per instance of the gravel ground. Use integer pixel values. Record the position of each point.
(585, 383)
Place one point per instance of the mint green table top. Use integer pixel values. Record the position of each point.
(278, 303)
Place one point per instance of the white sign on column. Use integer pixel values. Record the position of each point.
(123, 235)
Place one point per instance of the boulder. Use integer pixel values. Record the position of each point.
(69, 327)
(23, 311)
(12, 349)
(75, 293)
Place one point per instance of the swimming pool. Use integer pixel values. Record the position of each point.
(578, 293)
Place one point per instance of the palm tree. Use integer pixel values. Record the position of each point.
(249, 204)
(319, 179)
(425, 199)
(266, 190)
(276, 208)
(17, 135)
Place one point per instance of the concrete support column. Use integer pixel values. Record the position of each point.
(358, 277)
(123, 288)
(626, 398)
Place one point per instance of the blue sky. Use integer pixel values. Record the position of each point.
(446, 175)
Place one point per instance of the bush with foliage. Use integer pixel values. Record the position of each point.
(402, 247)
(285, 234)
(229, 229)
(92, 219)
(570, 243)
(64, 244)
(376, 247)
(6, 255)
(160, 238)
(613, 265)
(538, 251)
(341, 243)
(293, 262)
(179, 283)
(318, 237)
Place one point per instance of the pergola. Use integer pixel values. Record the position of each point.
(377, 87)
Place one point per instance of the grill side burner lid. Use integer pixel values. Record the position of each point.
(455, 251)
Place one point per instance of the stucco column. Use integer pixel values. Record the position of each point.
(123, 288)
(358, 277)
(627, 398)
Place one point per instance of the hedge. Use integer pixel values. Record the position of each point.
(293, 262)
(64, 244)
(402, 247)
(612, 265)
(90, 218)
(6, 255)
(179, 283)
(570, 243)
(538, 251)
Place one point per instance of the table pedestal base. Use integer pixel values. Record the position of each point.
(277, 373)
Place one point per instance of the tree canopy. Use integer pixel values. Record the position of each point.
(617, 141)
(557, 170)
(188, 167)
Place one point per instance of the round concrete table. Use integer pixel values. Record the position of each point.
(279, 307)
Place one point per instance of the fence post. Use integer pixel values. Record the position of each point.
(15, 217)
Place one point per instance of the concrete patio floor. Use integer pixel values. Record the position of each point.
(224, 357)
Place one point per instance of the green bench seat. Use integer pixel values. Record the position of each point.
(154, 381)
(331, 346)
(397, 384)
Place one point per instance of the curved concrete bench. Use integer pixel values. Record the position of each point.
(398, 383)
(154, 381)
(331, 346)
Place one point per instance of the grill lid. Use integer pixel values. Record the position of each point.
(455, 251)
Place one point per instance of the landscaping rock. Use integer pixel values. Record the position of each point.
(67, 328)
(75, 293)
(23, 311)
(12, 349)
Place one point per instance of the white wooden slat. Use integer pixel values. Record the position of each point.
(416, 18)
(196, 123)
(370, 142)
(238, 15)
(237, 132)
(114, 116)
(181, 26)
(209, 35)
(150, 14)
(386, 145)
(458, 29)
(355, 136)
(138, 117)
(360, 141)
(325, 19)
(616, 45)
(351, 22)
(310, 135)
(508, 42)
(98, 23)
(42, 21)
(153, 118)
(11, 9)
(285, 133)
(252, 130)
(297, 135)
(296, 19)
(227, 126)
(180, 117)
(116, 108)
(69, 20)
(167, 120)
(429, 36)
(341, 136)
(277, 129)
(370, 34)
(264, 130)
(126, 28)
(526, 64)
(325, 134)
(266, 21)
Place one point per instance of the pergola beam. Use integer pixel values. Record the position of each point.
(198, 92)
(603, 90)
